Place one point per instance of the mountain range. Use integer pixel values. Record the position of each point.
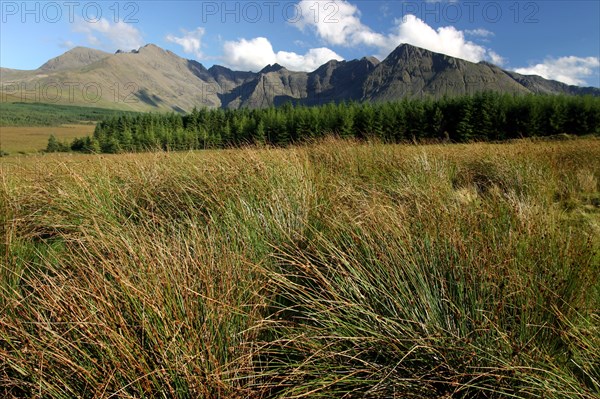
(152, 78)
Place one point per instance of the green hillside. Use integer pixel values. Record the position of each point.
(40, 114)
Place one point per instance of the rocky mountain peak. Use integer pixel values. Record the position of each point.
(272, 68)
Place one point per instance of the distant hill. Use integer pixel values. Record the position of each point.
(155, 79)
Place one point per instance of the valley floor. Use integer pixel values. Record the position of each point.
(32, 139)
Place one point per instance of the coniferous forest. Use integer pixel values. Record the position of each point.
(483, 117)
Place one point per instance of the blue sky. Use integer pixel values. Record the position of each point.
(556, 39)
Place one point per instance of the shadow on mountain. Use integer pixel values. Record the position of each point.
(199, 71)
(178, 109)
(243, 94)
(281, 100)
(147, 98)
(327, 97)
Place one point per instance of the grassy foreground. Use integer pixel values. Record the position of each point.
(335, 270)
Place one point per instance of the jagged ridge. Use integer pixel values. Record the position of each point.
(153, 78)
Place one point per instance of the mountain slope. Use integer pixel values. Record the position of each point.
(77, 57)
(155, 79)
(538, 85)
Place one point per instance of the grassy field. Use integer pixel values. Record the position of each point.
(40, 114)
(334, 270)
(25, 127)
(14, 140)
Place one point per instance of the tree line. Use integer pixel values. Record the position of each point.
(482, 117)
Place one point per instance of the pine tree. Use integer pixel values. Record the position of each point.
(260, 136)
(436, 120)
(346, 123)
(126, 139)
(481, 117)
(112, 146)
(464, 129)
(56, 146)
(415, 119)
(91, 146)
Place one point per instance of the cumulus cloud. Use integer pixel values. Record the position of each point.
(314, 58)
(255, 54)
(337, 22)
(251, 54)
(190, 41)
(570, 70)
(446, 39)
(112, 36)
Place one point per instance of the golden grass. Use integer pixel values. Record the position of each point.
(34, 139)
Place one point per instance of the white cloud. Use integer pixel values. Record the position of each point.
(68, 44)
(300, 43)
(570, 70)
(190, 41)
(337, 22)
(255, 54)
(480, 32)
(251, 54)
(446, 39)
(314, 58)
(384, 10)
(113, 36)
(496, 58)
(94, 41)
